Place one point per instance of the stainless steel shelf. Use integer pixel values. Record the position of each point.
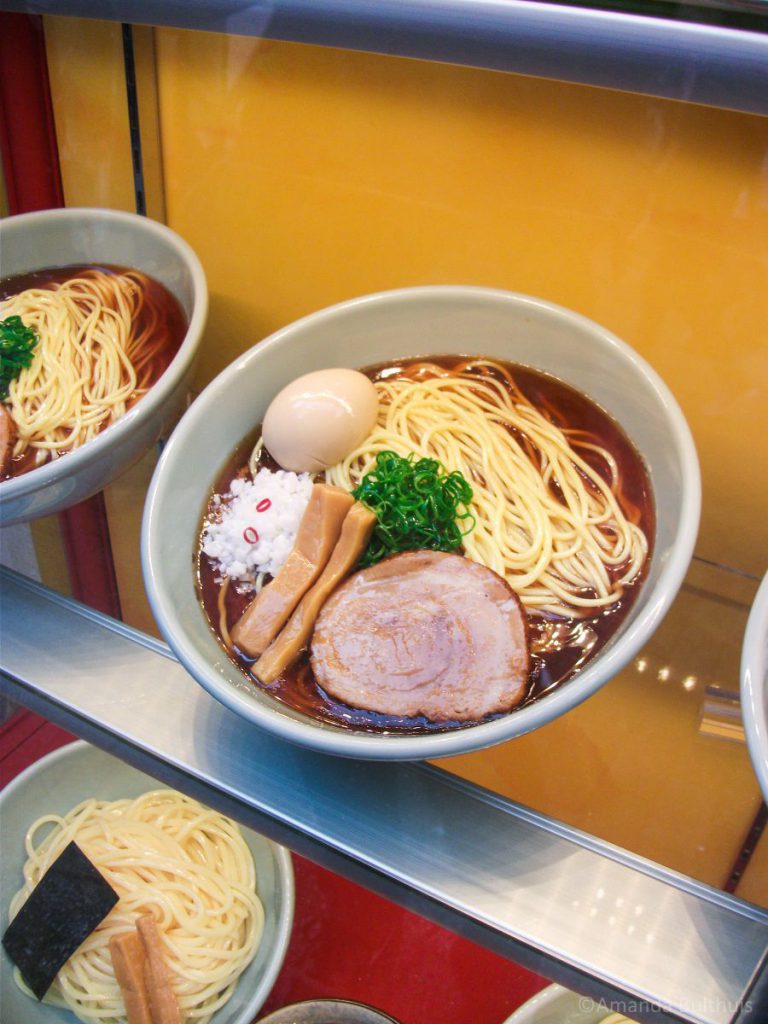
(578, 910)
(677, 59)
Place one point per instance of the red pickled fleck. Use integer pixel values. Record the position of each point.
(263, 505)
(250, 536)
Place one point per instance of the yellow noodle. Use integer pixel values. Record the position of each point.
(90, 364)
(568, 549)
(222, 608)
(167, 855)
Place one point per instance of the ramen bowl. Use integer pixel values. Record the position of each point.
(558, 1005)
(60, 781)
(754, 684)
(56, 238)
(327, 1011)
(384, 328)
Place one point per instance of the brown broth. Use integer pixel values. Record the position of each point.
(560, 647)
(172, 322)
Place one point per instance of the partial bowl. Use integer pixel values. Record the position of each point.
(57, 783)
(558, 1005)
(381, 328)
(754, 684)
(327, 1011)
(51, 238)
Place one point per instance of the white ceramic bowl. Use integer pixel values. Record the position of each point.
(754, 684)
(49, 238)
(558, 1005)
(57, 783)
(379, 328)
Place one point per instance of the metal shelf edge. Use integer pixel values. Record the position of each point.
(681, 60)
(574, 908)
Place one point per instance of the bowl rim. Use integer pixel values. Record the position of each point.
(335, 740)
(541, 1000)
(281, 1014)
(754, 684)
(284, 865)
(111, 436)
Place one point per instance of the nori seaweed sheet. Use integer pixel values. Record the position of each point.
(67, 904)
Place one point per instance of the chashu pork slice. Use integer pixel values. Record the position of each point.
(424, 633)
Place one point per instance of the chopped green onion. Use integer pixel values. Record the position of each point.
(418, 505)
(17, 343)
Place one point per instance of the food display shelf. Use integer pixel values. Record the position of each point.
(716, 64)
(513, 879)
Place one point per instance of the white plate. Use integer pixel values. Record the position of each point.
(57, 783)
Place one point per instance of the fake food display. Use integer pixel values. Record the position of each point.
(135, 911)
(466, 554)
(79, 346)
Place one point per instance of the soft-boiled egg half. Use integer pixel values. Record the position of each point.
(318, 419)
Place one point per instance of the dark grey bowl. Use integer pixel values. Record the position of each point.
(327, 1011)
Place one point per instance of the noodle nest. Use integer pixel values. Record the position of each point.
(168, 855)
(547, 520)
(99, 335)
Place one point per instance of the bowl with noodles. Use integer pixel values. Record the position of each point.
(558, 1005)
(327, 1011)
(101, 317)
(535, 494)
(187, 857)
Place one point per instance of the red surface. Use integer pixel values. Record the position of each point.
(88, 550)
(347, 942)
(27, 134)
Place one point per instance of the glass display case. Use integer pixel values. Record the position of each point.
(612, 161)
